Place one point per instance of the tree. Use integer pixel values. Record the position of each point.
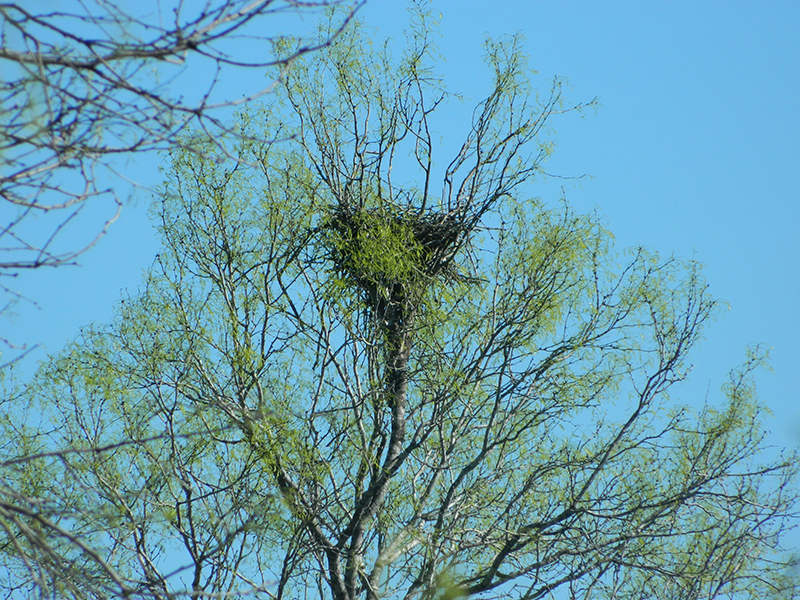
(97, 81)
(335, 383)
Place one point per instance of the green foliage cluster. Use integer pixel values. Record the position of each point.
(377, 252)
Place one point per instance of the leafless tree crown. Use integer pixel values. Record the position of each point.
(84, 82)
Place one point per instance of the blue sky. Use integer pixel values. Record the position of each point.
(693, 151)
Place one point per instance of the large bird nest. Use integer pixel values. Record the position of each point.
(394, 255)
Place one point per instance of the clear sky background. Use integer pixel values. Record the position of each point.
(693, 151)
